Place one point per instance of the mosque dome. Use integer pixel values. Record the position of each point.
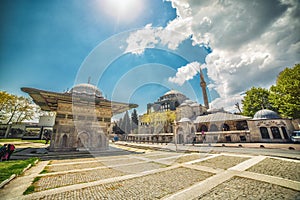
(173, 95)
(172, 92)
(183, 104)
(195, 104)
(266, 114)
(188, 101)
(87, 89)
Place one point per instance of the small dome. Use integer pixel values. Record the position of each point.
(184, 120)
(188, 101)
(183, 104)
(266, 114)
(215, 110)
(172, 92)
(87, 89)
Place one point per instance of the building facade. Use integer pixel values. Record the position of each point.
(268, 126)
(83, 116)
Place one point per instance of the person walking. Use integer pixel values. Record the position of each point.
(10, 150)
(3, 152)
(203, 136)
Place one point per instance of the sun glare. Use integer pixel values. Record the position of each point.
(122, 10)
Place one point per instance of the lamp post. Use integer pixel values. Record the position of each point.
(175, 135)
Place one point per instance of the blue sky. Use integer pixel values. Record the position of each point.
(135, 50)
(43, 45)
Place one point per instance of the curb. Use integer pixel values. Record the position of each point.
(191, 151)
(7, 180)
(3, 183)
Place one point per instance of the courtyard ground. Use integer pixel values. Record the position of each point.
(142, 171)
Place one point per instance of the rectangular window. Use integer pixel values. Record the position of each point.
(264, 133)
(275, 132)
(61, 116)
(228, 138)
(215, 138)
(243, 138)
(286, 136)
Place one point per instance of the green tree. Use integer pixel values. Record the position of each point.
(134, 120)
(15, 109)
(5, 101)
(285, 95)
(255, 100)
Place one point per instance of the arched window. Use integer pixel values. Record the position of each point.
(225, 127)
(286, 136)
(264, 133)
(83, 137)
(202, 128)
(213, 127)
(65, 140)
(275, 132)
(241, 125)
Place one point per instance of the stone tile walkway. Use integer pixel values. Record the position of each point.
(161, 175)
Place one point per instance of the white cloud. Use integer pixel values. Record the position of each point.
(252, 41)
(141, 39)
(185, 73)
(228, 103)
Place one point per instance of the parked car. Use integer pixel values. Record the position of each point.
(295, 137)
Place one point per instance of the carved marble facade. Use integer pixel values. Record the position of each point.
(83, 117)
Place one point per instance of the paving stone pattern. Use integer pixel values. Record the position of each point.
(243, 188)
(54, 181)
(69, 166)
(222, 162)
(161, 156)
(153, 186)
(137, 168)
(71, 160)
(121, 161)
(276, 167)
(190, 157)
(158, 174)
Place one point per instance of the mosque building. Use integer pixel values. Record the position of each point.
(174, 117)
(83, 116)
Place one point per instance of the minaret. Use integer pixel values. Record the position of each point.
(203, 86)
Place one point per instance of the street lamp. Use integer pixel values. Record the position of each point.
(175, 135)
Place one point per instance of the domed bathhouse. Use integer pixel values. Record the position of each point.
(83, 116)
(268, 126)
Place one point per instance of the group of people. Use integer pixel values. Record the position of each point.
(5, 151)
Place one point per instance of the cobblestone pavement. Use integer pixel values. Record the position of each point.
(65, 161)
(165, 175)
(140, 167)
(67, 166)
(243, 188)
(190, 157)
(278, 167)
(54, 181)
(222, 162)
(153, 186)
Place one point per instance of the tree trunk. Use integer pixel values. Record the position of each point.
(12, 115)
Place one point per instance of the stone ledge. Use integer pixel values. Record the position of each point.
(3, 183)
